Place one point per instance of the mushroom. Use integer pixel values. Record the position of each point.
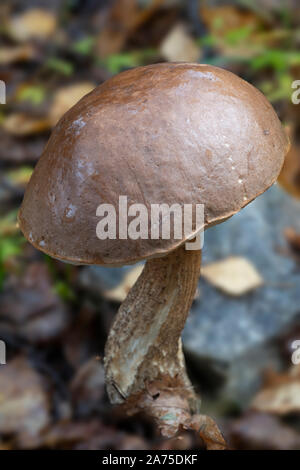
(170, 133)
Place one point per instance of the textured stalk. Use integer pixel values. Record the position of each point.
(143, 349)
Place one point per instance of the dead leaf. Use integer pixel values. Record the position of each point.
(63, 435)
(223, 19)
(260, 431)
(110, 438)
(120, 19)
(35, 23)
(289, 177)
(119, 293)
(82, 339)
(16, 150)
(125, 17)
(183, 441)
(179, 46)
(235, 275)
(168, 402)
(208, 430)
(66, 97)
(24, 404)
(83, 435)
(88, 387)
(235, 31)
(281, 393)
(30, 308)
(20, 124)
(293, 238)
(6, 446)
(23, 53)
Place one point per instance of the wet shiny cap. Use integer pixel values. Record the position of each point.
(171, 133)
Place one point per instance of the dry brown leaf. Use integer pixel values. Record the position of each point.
(179, 46)
(222, 19)
(63, 434)
(293, 238)
(35, 23)
(24, 405)
(208, 430)
(234, 275)
(6, 446)
(168, 402)
(82, 338)
(66, 97)
(83, 435)
(21, 150)
(125, 17)
(289, 177)
(88, 386)
(281, 393)
(20, 124)
(119, 22)
(12, 54)
(119, 293)
(260, 431)
(30, 308)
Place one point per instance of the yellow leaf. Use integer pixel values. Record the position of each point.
(234, 275)
(66, 97)
(178, 46)
(9, 55)
(35, 23)
(20, 124)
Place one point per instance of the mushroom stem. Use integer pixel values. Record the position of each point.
(144, 344)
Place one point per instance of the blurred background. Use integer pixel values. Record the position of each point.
(54, 318)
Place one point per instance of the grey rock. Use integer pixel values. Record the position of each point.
(98, 279)
(231, 338)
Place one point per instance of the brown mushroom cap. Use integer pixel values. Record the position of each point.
(166, 133)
